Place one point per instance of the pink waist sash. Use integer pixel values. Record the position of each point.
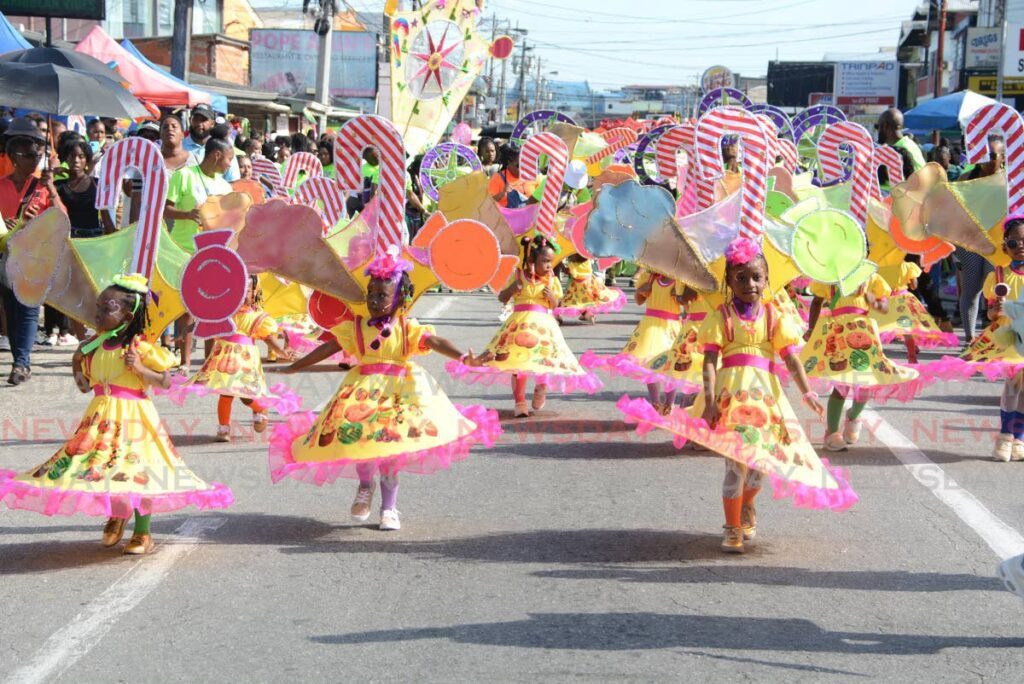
(238, 339)
(900, 293)
(855, 310)
(118, 392)
(382, 369)
(659, 313)
(752, 360)
(535, 308)
(700, 316)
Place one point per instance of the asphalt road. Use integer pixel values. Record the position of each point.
(572, 549)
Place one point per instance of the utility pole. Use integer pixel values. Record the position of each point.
(1000, 74)
(502, 113)
(537, 87)
(522, 80)
(181, 40)
(940, 52)
(323, 67)
(490, 62)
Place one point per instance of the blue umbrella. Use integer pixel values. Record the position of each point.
(945, 113)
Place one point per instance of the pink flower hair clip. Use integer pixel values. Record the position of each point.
(389, 265)
(741, 251)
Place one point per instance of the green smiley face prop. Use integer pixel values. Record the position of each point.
(829, 246)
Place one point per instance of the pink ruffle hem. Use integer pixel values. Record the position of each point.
(731, 445)
(24, 496)
(426, 461)
(613, 306)
(303, 344)
(283, 400)
(879, 394)
(926, 339)
(487, 376)
(955, 368)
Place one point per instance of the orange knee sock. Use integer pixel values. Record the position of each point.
(224, 410)
(519, 388)
(733, 510)
(749, 495)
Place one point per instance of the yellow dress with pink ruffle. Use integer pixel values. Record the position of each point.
(120, 457)
(681, 366)
(234, 367)
(997, 344)
(387, 416)
(661, 323)
(587, 292)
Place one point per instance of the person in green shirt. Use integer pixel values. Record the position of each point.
(189, 188)
(325, 151)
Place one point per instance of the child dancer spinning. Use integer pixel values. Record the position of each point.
(234, 369)
(388, 415)
(906, 316)
(844, 354)
(119, 461)
(587, 295)
(530, 343)
(743, 413)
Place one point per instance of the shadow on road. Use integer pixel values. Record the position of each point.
(647, 631)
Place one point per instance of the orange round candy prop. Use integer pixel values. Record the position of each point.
(465, 255)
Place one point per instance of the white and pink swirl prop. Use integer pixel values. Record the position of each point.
(144, 156)
(328, 191)
(865, 183)
(729, 120)
(375, 131)
(529, 168)
(892, 160)
(1000, 118)
(261, 166)
(617, 139)
(301, 161)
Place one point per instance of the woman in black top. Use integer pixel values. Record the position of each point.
(78, 192)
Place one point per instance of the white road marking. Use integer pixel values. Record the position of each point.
(68, 644)
(1001, 537)
(438, 307)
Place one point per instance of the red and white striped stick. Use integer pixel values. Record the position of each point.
(261, 166)
(558, 159)
(1000, 118)
(683, 137)
(865, 182)
(140, 154)
(780, 147)
(617, 139)
(355, 136)
(301, 161)
(730, 120)
(891, 159)
(327, 191)
(790, 155)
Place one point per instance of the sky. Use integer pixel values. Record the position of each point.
(670, 42)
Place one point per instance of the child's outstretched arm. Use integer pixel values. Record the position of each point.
(324, 351)
(513, 288)
(275, 346)
(446, 348)
(710, 378)
(796, 371)
(812, 316)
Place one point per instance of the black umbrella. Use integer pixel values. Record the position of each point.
(59, 57)
(62, 91)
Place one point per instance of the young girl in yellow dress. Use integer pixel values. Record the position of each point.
(655, 334)
(844, 356)
(907, 317)
(743, 413)
(388, 415)
(587, 295)
(234, 369)
(530, 343)
(119, 461)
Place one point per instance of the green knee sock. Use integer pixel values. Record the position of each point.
(142, 523)
(856, 408)
(834, 412)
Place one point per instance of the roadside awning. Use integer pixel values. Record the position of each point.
(241, 96)
(218, 102)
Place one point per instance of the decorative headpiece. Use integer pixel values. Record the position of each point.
(741, 251)
(389, 265)
(137, 284)
(133, 282)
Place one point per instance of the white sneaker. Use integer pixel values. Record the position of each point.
(1017, 453)
(67, 340)
(1004, 448)
(5, 344)
(851, 431)
(50, 341)
(389, 520)
(835, 442)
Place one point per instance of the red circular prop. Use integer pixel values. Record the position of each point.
(502, 47)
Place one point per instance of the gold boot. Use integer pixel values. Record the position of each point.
(732, 540)
(139, 545)
(113, 531)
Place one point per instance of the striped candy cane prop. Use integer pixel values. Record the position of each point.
(711, 128)
(301, 161)
(327, 191)
(617, 139)
(1000, 118)
(140, 154)
(683, 137)
(354, 137)
(790, 155)
(865, 182)
(558, 159)
(891, 159)
(261, 166)
(779, 147)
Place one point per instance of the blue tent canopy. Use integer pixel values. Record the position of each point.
(10, 38)
(946, 113)
(218, 102)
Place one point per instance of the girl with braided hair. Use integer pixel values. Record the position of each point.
(119, 461)
(530, 343)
